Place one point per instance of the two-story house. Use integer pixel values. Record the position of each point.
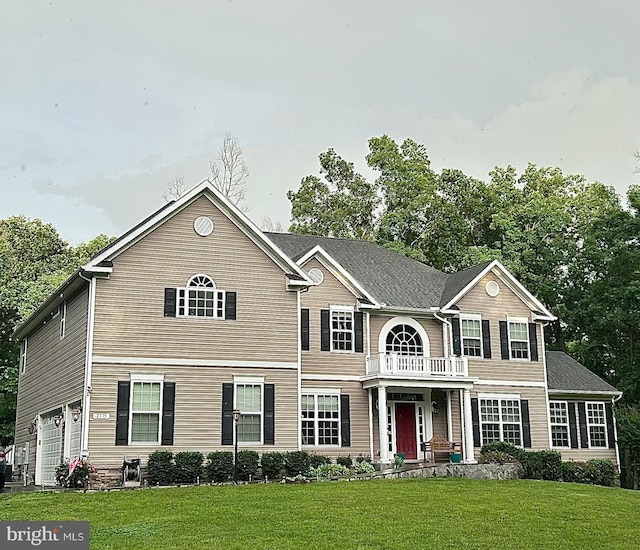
(335, 346)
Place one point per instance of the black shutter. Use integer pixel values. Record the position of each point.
(611, 434)
(325, 331)
(168, 410)
(230, 305)
(269, 414)
(345, 421)
(533, 341)
(504, 340)
(169, 302)
(486, 339)
(304, 329)
(227, 414)
(573, 427)
(526, 427)
(582, 419)
(357, 325)
(122, 420)
(475, 421)
(455, 331)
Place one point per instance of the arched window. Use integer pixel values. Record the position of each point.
(200, 298)
(404, 340)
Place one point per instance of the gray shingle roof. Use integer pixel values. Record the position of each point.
(565, 373)
(392, 279)
(458, 281)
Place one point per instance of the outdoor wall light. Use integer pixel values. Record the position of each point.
(435, 408)
(75, 414)
(58, 420)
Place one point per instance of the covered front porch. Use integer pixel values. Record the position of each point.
(406, 410)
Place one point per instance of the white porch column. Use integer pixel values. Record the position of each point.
(382, 425)
(428, 415)
(468, 429)
(449, 395)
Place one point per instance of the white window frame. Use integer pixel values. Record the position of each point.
(603, 424)
(471, 317)
(342, 310)
(23, 355)
(500, 397)
(315, 393)
(249, 381)
(182, 299)
(63, 319)
(518, 320)
(552, 422)
(146, 378)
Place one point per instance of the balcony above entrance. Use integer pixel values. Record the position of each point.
(390, 364)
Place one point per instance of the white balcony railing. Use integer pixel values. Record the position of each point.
(389, 363)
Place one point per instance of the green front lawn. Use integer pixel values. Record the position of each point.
(412, 514)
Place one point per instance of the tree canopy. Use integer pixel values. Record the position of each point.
(569, 241)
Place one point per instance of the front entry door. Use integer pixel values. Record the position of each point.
(406, 430)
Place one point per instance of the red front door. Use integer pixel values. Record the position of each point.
(406, 430)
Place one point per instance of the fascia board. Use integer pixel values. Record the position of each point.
(337, 271)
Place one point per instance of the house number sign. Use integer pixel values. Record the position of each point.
(101, 416)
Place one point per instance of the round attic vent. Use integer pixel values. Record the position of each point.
(492, 288)
(316, 276)
(203, 226)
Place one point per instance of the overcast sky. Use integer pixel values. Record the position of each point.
(103, 104)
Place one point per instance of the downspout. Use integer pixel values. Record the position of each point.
(614, 400)
(86, 398)
(445, 333)
(299, 422)
(546, 384)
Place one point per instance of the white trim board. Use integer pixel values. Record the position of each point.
(159, 361)
(336, 377)
(512, 383)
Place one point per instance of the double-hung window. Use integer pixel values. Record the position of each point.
(500, 419)
(559, 423)
(248, 399)
(518, 338)
(146, 409)
(342, 333)
(201, 298)
(321, 418)
(596, 425)
(471, 327)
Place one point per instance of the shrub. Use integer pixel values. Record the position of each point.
(296, 462)
(220, 466)
(272, 465)
(497, 457)
(247, 464)
(595, 472)
(398, 461)
(542, 465)
(330, 470)
(315, 461)
(508, 448)
(78, 478)
(363, 467)
(160, 468)
(188, 466)
(363, 458)
(344, 461)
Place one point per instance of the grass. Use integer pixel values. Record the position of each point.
(412, 513)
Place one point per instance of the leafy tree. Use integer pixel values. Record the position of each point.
(628, 424)
(34, 261)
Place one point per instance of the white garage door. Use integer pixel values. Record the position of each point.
(50, 450)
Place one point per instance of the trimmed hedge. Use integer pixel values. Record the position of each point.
(220, 466)
(594, 472)
(543, 465)
(272, 465)
(315, 461)
(296, 463)
(160, 468)
(247, 464)
(188, 466)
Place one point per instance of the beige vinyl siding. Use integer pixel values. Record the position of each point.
(538, 411)
(496, 309)
(456, 417)
(54, 374)
(129, 315)
(359, 418)
(580, 455)
(198, 410)
(440, 420)
(330, 293)
(432, 327)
